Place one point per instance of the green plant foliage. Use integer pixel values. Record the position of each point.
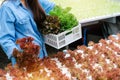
(67, 19)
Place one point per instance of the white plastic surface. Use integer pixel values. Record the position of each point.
(63, 39)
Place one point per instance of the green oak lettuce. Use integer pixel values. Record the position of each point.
(67, 19)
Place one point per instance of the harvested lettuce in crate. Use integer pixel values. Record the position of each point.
(67, 19)
(50, 25)
(58, 20)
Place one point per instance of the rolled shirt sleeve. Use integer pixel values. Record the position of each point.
(47, 5)
(7, 31)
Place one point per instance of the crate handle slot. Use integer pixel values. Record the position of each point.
(68, 33)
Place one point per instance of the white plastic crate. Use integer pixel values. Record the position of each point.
(63, 39)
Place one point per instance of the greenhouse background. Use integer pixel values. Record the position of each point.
(1, 1)
(83, 9)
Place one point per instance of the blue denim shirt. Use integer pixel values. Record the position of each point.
(17, 22)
